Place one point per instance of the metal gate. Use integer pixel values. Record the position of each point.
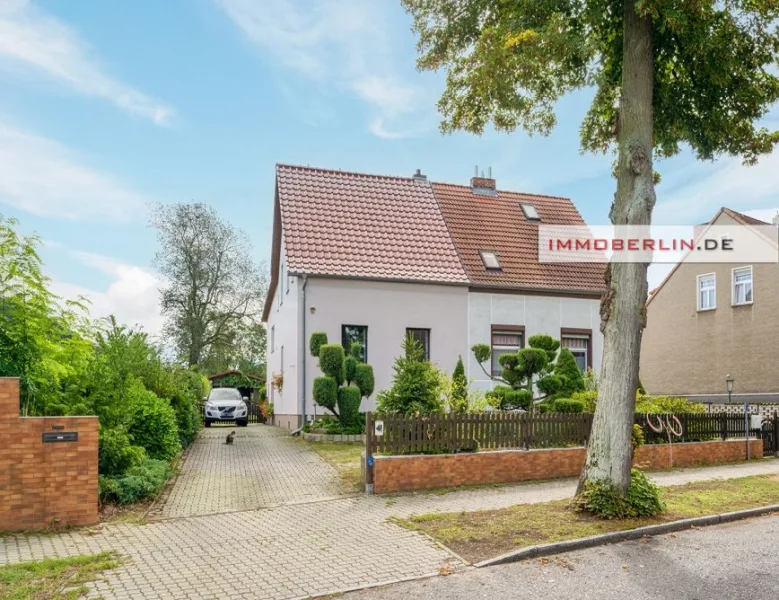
(770, 435)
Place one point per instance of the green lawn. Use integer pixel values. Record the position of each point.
(54, 579)
(345, 458)
(484, 534)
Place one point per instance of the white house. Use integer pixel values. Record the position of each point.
(373, 258)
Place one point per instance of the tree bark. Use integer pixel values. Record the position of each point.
(623, 312)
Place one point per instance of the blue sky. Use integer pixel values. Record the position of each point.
(106, 107)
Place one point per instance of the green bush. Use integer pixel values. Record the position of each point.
(331, 361)
(116, 452)
(416, 385)
(363, 378)
(187, 388)
(349, 398)
(498, 393)
(667, 405)
(333, 426)
(355, 350)
(350, 369)
(516, 399)
(604, 500)
(318, 339)
(637, 436)
(153, 425)
(589, 399)
(567, 370)
(142, 481)
(325, 392)
(56, 409)
(568, 405)
(79, 410)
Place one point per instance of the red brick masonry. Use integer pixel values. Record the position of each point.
(44, 484)
(420, 472)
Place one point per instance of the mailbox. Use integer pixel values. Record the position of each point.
(53, 437)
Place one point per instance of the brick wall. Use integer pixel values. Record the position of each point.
(45, 484)
(420, 472)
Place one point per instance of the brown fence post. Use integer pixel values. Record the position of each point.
(369, 445)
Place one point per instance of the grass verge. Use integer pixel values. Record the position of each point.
(345, 458)
(484, 534)
(54, 579)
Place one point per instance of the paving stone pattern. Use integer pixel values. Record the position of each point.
(264, 467)
(307, 547)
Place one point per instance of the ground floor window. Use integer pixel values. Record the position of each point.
(506, 339)
(355, 333)
(423, 337)
(579, 342)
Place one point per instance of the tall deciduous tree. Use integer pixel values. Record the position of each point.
(665, 73)
(213, 287)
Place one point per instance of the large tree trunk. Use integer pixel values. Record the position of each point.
(623, 314)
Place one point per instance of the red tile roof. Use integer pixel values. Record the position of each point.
(355, 225)
(497, 223)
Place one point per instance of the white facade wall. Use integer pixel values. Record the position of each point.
(283, 347)
(538, 314)
(387, 309)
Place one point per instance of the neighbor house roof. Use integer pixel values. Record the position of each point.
(355, 225)
(497, 223)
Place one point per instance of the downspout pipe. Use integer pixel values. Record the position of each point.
(302, 346)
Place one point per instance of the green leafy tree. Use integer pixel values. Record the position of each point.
(416, 385)
(568, 372)
(666, 73)
(459, 394)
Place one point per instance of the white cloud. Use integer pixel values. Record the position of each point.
(340, 42)
(32, 39)
(132, 293)
(764, 214)
(40, 176)
(704, 188)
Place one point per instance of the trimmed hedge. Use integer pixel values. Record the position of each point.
(517, 399)
(350, 368)
(325, 392)
(568, 405)
(331, 361)
(363, 378)
(349, 398)
(318, 339)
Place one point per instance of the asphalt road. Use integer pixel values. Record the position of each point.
(733, 561)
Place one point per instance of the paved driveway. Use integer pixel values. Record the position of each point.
(264, 467)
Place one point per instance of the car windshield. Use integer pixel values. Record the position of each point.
(224, 394)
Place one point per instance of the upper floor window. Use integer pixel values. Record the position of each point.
(707, 291)
(742, 285)
(505, 340)
(423, 337)
(355, 333)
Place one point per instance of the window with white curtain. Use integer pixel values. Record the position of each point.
(742, 285)
(707, 291)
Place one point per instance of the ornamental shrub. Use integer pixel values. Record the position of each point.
(416, 384)
(667, 405)
(331, 361)
(350, 368)
(142, 481)
(325, 392)
(458, 398)
(116, 452)
(497, 394)
(349, 405)
(355, 350)
(604, 499)
(568, 372)
(318, 339)
(589, 399)
(363, 378)
(517, 399)
(153, 425)
(568, 405)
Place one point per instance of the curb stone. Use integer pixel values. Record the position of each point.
(622, 536)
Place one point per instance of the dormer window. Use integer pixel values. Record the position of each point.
(530, 212)
(490, 260)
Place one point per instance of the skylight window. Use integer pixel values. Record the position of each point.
(490, 259)
(530, 212)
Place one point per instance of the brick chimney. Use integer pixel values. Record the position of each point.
(482, 184)
(419, 177)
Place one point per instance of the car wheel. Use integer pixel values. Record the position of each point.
(243, 423)
(208, 423)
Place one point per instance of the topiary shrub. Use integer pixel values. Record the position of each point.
(325, 393)
(416, 384)
(568, 372)
(116, 452)
(363, 378)
(568, 405)
(318, 339)
(350, 369)
(604, 500)
(498, 393)
(355, 350)
(517, 399)
(331, 361)
(153, 425)
(349, 405)
(459, 395)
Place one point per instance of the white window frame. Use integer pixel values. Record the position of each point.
(698, 291)
(733, 285)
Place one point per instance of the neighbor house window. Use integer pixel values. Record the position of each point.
(355, 333)
(506, 339)
(579, 342)
(707, 291)
(423, 337)
(742, 285)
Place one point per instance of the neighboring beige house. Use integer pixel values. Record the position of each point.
(372, 258)
(708, 321)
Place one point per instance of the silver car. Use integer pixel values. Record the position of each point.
(226, 404)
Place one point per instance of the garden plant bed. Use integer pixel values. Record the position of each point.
(54, 579)
(481, 535)
(335, 438)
